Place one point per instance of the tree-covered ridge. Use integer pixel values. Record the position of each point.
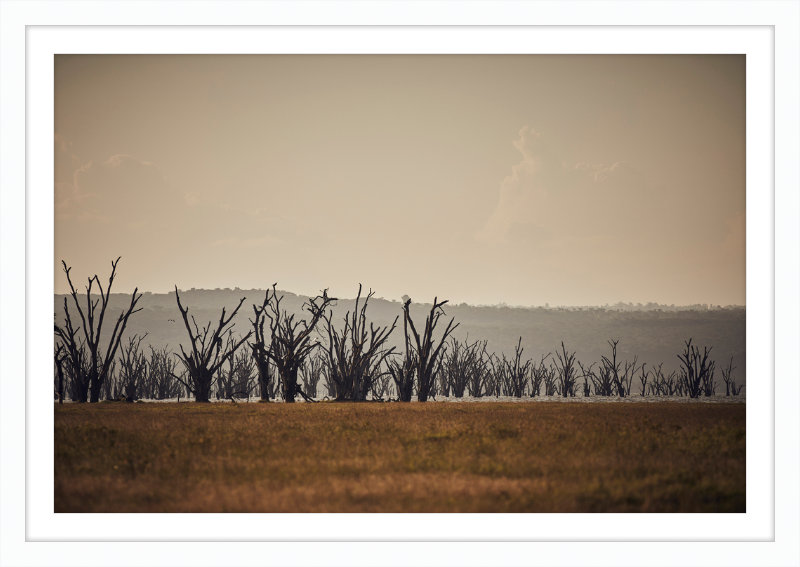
(655, 334)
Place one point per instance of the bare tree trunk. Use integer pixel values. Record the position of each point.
(207, 354)
(566, 370)
(291, 340)
(697, 372)
(59, 359)
(426, 355)
(290, 386)
(353, 361)
(610, 372)
(403, 376)
(730, 381)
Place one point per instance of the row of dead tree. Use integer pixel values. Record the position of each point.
(287, 356)
(464, 370)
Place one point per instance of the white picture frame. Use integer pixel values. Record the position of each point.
(766, 534)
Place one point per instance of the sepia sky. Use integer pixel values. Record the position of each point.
(524, 179)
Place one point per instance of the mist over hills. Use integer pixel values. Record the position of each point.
(655, 333)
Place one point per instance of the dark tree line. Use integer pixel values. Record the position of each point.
(290, 356)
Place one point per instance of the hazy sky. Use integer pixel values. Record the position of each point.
(568, 180)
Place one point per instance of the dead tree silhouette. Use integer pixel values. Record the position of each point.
(588, 374)
(207, 354)
(609, 374)
(517, 372)
(355, 363)
(291, 340)
(697, 372)
(495, 376)
(237, 380)
(426, 355)
(99, 362)
(133, 367)
(161, 384)
(730, 381)
(245, 375)
(643, 381)
(465, 367)
(550, 379)
(259, 348)
(662, 385)
(76, 357)
(566, 372)
(630, 372)
(538, 375)
(475, 364)
(311, 373)
(402, 374)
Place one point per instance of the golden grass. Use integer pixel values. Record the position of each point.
(432, 457)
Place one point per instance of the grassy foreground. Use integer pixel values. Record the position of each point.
(390, 457)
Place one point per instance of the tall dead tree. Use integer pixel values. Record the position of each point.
(630, 372)
(602, 380)
(538, 374)
(245, 375)
(517, 372)
(291, 340)
(356, 354)
(730, 382)
(229, 382)
(588, 374)
(566, 372)
(311, 373)
(99, 361)
(436, 376)
(495, 375)
(496, 379)
(477, 367)
(726, 376)
(426, 354)
(78, 375)
(162, 365)
(658, 386)
(643, 381)
(610, 374)
(550, 380)
(466, 367)
(207, 354)
(133, 367)
(77, 372)
(259, 347)
(402, 374)
(697, 372)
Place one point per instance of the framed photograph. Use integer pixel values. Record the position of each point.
(532, 232)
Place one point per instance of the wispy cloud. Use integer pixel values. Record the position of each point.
(546, 198)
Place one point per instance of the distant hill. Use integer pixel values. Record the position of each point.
(654, 333)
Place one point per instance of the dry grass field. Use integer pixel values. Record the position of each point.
(391, 457)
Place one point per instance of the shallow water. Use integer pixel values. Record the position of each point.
(635, 399)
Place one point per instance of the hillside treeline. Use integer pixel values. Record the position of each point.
(654, 336)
